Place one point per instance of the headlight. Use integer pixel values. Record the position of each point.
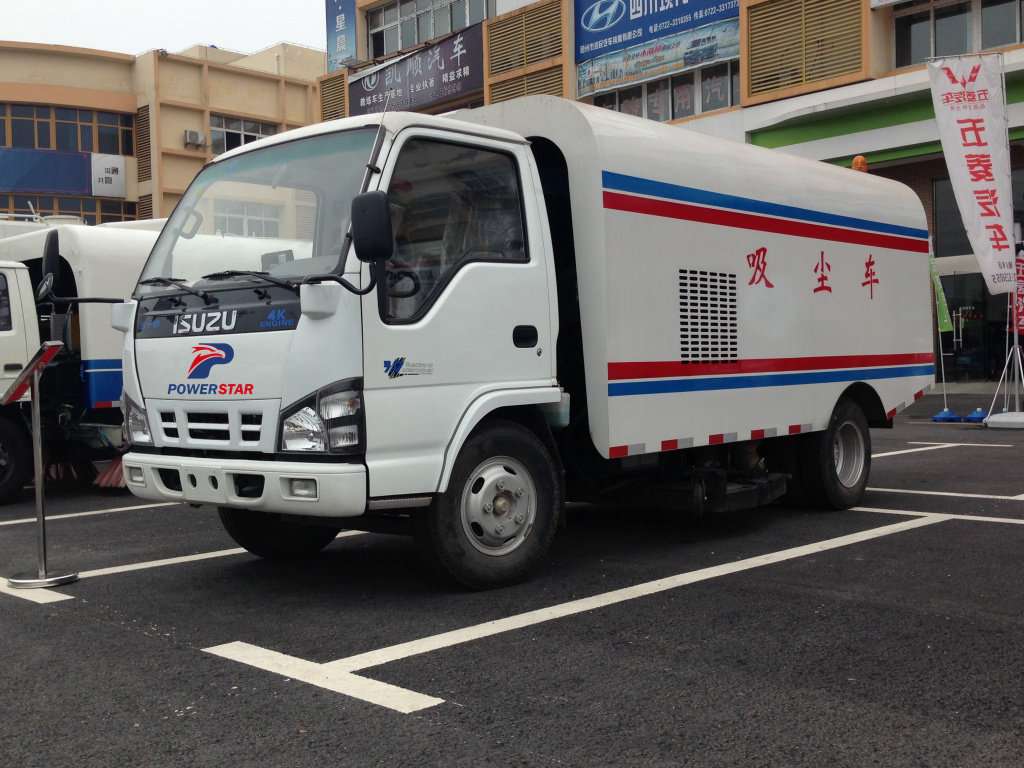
(136, 426)
(302, 431)
(331, 421)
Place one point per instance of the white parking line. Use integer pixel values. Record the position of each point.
(24, 520)
(42, 596)
(949, 494)
(49, 596)
(972, 518)
(338, 675)
(936, 446)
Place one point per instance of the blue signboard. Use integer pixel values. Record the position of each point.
(341, 34)
(45, 171)
(603, 26)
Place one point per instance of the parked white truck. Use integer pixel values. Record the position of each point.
(81, 390)
(536, 301)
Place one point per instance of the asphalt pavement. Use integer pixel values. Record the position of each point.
(886, 635)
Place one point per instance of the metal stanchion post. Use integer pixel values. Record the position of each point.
(42, 579)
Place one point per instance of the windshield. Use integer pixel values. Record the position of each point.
(283, 210)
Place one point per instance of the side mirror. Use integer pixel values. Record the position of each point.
(45, 287)
(371, 226)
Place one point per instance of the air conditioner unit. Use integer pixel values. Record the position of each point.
(197, 138)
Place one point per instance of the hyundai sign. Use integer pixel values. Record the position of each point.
(603, 26)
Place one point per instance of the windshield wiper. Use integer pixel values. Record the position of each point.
(247, 273)
(178, 282)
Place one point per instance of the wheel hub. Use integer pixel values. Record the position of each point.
(848, 452)
(498, 506)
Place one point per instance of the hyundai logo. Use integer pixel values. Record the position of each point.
(603, 15)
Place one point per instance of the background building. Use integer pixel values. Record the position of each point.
(826, 79)
(112, 137)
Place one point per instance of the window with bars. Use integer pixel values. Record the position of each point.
(32, 126)
(692, 93)
(400, 25)
(92, 210)
(229, 132)
(926, 28)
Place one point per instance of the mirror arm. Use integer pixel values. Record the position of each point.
(316, 279)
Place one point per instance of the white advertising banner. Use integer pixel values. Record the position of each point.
(970, 110)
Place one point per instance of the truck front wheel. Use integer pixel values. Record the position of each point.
(15, 460)
(498, 517)
(271, 538)
(836, 462)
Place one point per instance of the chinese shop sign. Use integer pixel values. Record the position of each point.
(450, 68)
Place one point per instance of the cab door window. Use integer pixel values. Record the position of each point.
(450, 205)
(6, 320)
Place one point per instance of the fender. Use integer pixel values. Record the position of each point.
(478, 411)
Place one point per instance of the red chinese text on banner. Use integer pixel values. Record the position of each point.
(970, 111)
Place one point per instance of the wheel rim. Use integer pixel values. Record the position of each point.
(849, 454)
(499, 506)
(5, 463)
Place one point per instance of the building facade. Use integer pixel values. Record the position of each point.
(112, 137)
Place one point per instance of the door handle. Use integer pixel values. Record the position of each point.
(525, 336)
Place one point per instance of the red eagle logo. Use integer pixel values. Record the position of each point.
(963, 82)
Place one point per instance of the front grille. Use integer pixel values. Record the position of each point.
(210, 428)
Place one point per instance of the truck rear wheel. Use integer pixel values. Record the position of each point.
(15, 460)
(271, 538)
(837, 462)
(498, 517)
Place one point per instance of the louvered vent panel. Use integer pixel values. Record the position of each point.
(833, 32)
(509, 89)
(707, 317)
(507, 45)
(547, 81)
(146, 207)
(533, 36)
(142, 143)
(793, 42)
(332, 98)
(543, 30)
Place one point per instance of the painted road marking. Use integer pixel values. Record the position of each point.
(49, 596)
(950, 494)
(338, 675)
(24, 520)
(936, 446)
(971, 518)
(33, 595)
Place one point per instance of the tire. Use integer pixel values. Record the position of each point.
(836, 462)
(269, 537)
(500, 512)
(15, 460)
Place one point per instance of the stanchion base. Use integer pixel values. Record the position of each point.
(976, 417)
(32, 580)
(1006, 420)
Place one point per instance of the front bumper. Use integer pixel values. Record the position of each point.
(340, 488)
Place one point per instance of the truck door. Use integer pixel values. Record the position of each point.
(462, 308)
(14, 352)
